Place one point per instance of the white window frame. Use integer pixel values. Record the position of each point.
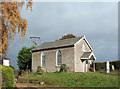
(57, 58)
(42, 58)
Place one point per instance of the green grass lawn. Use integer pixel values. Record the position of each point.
(114, 73)
(66, 79)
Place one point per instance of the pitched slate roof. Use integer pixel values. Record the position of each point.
(57, 44)
(85, 55)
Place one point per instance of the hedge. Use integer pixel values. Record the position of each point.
(102, 65)
(116, 64)
(7, 76)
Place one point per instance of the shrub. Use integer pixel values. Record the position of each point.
(99, 66)
(7, 76)
(116, 64)
(39, 70)
(102, 71)
(12, 67)
(63, 68)
(17, 72)
(102, 65)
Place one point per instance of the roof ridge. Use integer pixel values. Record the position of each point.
(62, 40)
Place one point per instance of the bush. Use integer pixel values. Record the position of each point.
(12, 67)
(17, 72)
(116, 64)
(63, 68)
(7, 76)
(39, 70)
(102, 71)
(102, 65)
(99, 66)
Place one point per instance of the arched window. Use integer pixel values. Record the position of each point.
(83, 47)
(42, 59)
(58, 58)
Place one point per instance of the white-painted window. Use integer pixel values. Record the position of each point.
(42, 59)
(58, 58)
(83, 47)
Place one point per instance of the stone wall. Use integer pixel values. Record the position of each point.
(78, 53)
(35, 61)
(50, 59)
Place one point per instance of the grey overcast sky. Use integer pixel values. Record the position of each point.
(50, 21)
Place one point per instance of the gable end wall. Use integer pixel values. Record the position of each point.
(78, 53)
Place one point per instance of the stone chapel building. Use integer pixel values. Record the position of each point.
(76, 53)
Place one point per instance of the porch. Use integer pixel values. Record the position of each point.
(88, 60)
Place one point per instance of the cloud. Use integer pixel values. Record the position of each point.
(50, 21)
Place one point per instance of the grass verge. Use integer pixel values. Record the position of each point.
(65, 79)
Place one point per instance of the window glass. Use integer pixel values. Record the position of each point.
(59, 60)
(43, 59)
